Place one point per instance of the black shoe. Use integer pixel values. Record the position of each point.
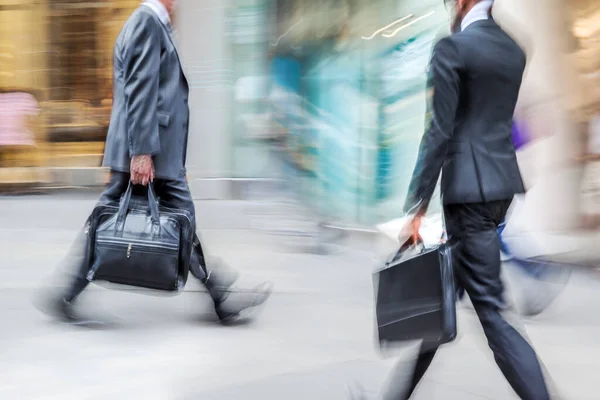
(64, 311)
(232, 305)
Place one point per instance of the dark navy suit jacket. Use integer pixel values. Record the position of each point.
(476, 76)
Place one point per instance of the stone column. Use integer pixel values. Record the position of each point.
(204, 51)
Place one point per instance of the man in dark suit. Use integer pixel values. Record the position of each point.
(477, 74)
(147, 142)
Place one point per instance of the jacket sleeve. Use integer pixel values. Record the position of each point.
(445, 69)
(141, 62)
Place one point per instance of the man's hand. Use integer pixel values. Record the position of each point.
(411, 230)
(142, 170)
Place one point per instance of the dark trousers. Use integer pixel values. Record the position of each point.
(172, 193)
(476, 261)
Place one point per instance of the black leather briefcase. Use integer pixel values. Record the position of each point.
(415, 296)
(138, 243)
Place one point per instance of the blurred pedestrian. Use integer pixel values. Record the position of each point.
(15, 108)
(147, 142)
(477, 74)
(476, 77)
(541, 280)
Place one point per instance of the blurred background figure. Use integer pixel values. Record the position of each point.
(16, 110)
(535, 280)
(531, 277)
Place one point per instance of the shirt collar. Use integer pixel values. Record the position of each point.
(479, 12)
(159, 9)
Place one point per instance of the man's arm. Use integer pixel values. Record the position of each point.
(446, 65)
(141, 64)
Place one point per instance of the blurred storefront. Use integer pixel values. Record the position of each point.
(338, 85)
(81, 39)
(56, 58)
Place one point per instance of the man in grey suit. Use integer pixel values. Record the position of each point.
(147, 142)
(477, 74)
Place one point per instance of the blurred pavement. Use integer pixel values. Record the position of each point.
(313, 338)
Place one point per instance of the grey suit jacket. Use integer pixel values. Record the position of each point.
(476, 77)
(150, 113)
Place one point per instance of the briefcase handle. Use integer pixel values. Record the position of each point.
(124, 209)
(410, 242)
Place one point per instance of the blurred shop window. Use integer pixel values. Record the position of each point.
(19, 45)
(82, 36)
(74, 73)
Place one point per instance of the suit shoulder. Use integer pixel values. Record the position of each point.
(489, 34)
(447, 47)
(140, 29)
(516, 46)
(447, 42)
(142, 18)
(512, 47)
(461, 39)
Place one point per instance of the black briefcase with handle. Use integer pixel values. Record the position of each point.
(415, 296)
(138, 243)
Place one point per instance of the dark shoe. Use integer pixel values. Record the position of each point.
(232, 305)
(64, 311)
